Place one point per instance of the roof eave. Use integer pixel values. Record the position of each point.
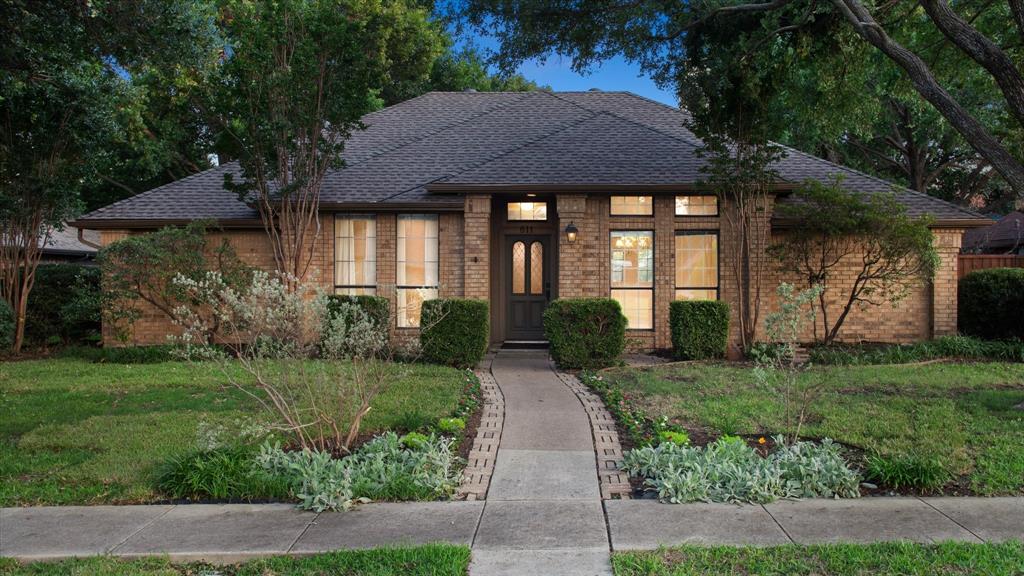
(446, 188)
(944, 223)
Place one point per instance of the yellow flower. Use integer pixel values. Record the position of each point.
(761, 440)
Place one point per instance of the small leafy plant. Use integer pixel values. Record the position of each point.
(730, 471)
(674, 437)
(451, 425)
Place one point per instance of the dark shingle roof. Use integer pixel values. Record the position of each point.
(1005, 235)
(497, 139)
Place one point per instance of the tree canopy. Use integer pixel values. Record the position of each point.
(820, 75)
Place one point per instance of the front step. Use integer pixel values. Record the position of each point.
(524, 345)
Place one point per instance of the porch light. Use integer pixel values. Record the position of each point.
(571, 232)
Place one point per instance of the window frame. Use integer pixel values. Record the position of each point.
(611, 208)
(718, 262)
(718, 207)
(654, 274)
(398, 263)
(355, 287)
(511, 202)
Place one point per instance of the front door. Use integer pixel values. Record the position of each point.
(528, 287)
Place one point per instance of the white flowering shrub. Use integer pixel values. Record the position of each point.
(730, 471)
(384, 468)
(274, 327)
(350, 333)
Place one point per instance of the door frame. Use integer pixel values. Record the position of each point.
(500, 269)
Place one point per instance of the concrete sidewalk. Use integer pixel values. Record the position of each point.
(510, 533)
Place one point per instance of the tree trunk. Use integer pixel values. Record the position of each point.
(983, 51)
(925, 83)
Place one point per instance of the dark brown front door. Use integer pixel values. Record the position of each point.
(528, 285)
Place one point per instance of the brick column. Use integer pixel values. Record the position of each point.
(944, 286)
(477, 246)
(451, 250)
(571, 258)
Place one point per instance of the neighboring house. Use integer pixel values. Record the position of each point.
(474, 195)
(1005, 236)
(65, 246)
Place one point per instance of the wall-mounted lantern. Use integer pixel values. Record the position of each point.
(571, 232)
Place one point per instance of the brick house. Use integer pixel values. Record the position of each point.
(475, 195)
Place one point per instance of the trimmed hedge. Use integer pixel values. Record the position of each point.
(64, 305)
(376, 307)
(700, 329)
(960, 347)
(455, 331)
(991, 303)
(7, 326)
(585, 332)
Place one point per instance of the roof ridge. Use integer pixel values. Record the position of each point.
(493, 157)
(133, 197)
(693, 143)
(377, 152)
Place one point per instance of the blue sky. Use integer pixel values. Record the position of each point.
(557, 72)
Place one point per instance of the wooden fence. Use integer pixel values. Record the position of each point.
(970, 262)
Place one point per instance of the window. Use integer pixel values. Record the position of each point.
(417, 265)
(519, 268)
(528, 211)
(696, 266)
(632, 206)
(355, 255)
(633, 276)
(696, 206)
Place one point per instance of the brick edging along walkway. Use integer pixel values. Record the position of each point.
(476, 477)
(614, 481)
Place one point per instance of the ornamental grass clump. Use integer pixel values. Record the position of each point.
(730, 471)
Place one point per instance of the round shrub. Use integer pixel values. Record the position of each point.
(585, 332)
(991, 303)
(455, 331)
(375, 307)
(6, 326)
(700, 329)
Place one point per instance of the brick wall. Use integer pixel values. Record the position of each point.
(928, 310)
(255, 249)
(477, 247)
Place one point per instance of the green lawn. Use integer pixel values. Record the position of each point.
(430, 560)
(962, 414)
(832, 560)
(74, 432)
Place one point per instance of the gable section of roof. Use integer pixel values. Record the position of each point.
(602, 149)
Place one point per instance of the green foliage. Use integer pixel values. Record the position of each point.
(674, 437)
(123, 355)
(585, 332)
(730, 471)
(623, 407)
(143, 268)
(413, 440)
(457, 71)
(955, 347)
(700, 329)
(906, 471)
(455, 331)
(6, 325)
(227, 473)
(427, 560)
(65, 304)
(385, 468)
(451, 425)
(833, 229)
(991, 303)
(888, 559)
(377, 308)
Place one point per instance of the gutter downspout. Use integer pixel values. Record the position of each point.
(81, 238)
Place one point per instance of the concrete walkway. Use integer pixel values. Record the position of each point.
(543, 513)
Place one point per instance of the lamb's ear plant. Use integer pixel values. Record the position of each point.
(780, 373)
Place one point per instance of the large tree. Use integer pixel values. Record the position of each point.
(762, 38)
(64, 102)
(298, 76)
